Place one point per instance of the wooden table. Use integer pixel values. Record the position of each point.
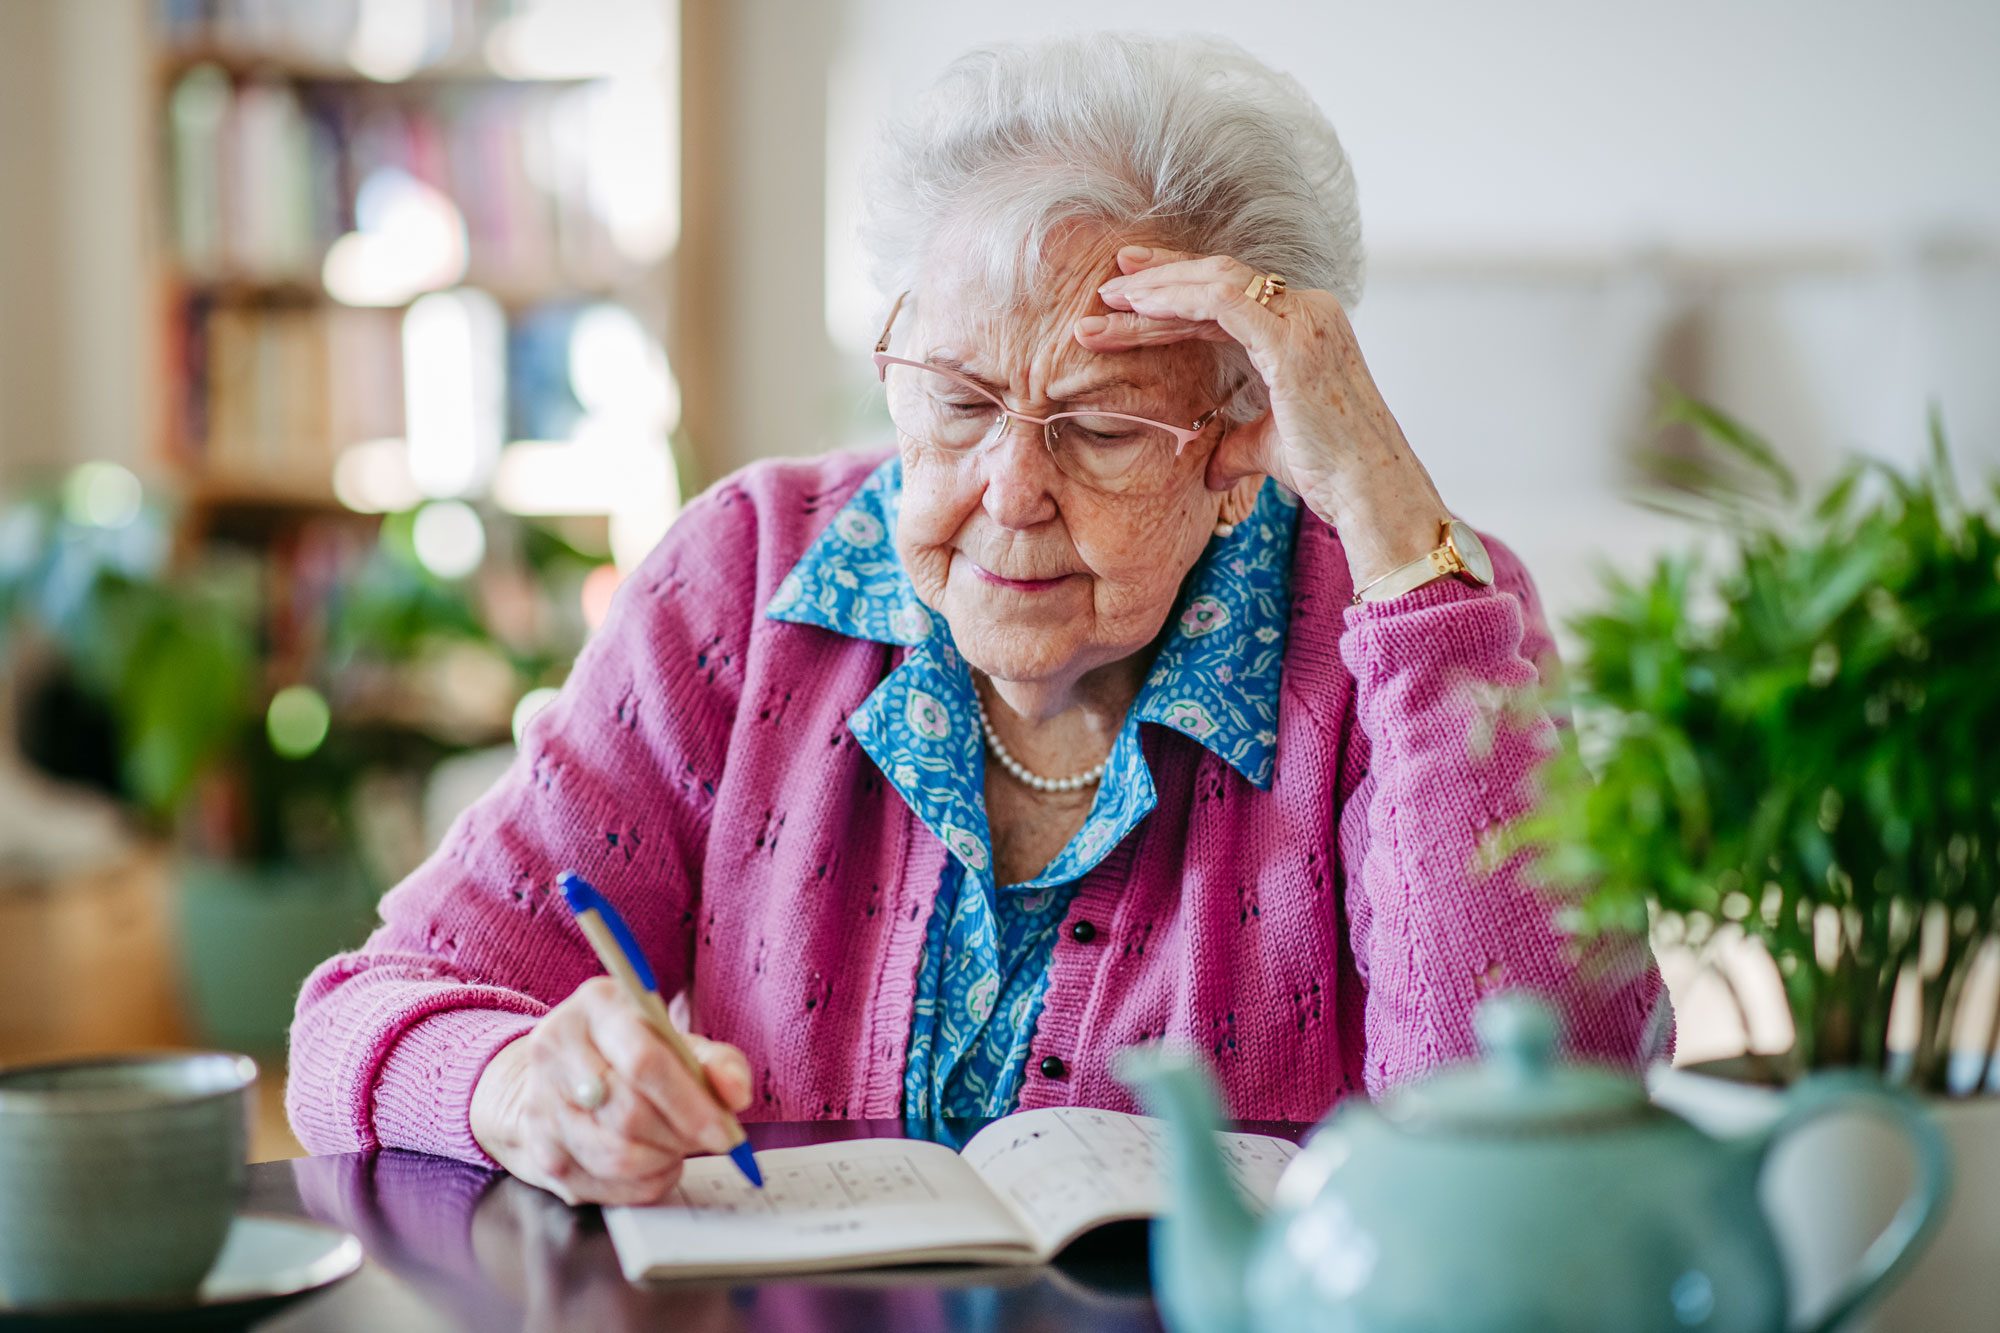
(454, 1247)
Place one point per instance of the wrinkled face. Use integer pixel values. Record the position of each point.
(1041, 577)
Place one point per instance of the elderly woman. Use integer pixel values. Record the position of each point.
(1146, 690)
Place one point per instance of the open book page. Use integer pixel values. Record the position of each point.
(830, 1205)
(1067, 1169)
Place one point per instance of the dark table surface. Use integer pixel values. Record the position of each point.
(451, 1246)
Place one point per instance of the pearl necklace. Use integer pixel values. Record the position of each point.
(1019, 771)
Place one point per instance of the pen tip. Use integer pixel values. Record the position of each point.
(746, 1161)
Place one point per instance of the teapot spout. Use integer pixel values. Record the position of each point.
(1202, 1243)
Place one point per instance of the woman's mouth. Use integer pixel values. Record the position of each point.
(1018, 585)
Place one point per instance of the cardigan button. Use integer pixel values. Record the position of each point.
(1083, 932)
(1053, 1067)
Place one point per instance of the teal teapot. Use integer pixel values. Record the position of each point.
(1508, 1193)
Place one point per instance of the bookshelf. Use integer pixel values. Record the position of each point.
(410, 262)
(311, 204)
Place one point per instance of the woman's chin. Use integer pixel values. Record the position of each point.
(1017, 651)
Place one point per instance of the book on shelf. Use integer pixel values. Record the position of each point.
(266, 174)
(273, 394)
(320, 34)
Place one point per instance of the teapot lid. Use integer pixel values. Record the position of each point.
(1517, 1086)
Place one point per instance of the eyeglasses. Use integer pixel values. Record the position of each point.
(1108, 451)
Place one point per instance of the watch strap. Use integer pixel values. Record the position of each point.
(1441, 562)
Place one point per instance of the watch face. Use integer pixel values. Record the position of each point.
(1472, 551)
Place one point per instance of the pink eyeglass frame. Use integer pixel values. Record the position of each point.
(1183, 435)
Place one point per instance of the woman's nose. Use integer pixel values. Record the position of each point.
(1020, 476)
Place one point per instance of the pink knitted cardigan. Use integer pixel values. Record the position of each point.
(1322, 937)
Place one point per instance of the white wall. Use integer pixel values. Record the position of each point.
(1791, 208)
(104, 73)
(30, 407)
(751, 349)
(1561, 126)
(77, 336)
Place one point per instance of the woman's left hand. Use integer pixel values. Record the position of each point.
(1328, 436)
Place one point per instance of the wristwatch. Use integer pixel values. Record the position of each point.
(1459, 552)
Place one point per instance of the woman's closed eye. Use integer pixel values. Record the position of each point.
(1106, 431)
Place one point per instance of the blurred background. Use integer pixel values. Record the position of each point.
(351, 349)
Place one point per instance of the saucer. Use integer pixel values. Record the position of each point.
(266, 1261)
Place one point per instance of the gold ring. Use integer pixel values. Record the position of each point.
(1264, 286)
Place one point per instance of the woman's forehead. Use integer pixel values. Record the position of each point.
(1035, 341)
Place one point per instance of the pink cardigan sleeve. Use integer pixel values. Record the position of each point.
(1440, 760)
(615, 779)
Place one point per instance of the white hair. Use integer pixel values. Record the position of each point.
(1188, 141)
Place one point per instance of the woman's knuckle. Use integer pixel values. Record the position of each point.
(649, 1065)
(547, 1071)
(552, 1162)
(651, 1185)
(628, 1119)
(564, 1025)
(624, 1159)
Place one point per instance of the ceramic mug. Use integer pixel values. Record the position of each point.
(119, 1176)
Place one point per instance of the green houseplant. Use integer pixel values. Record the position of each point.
(1788, 736)
(169, 661)
(284, 763)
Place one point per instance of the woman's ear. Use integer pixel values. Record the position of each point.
(1243, 454)
(1240, 499)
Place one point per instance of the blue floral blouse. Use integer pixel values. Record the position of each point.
(986, 953)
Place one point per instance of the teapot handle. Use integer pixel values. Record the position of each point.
(1892, 1252)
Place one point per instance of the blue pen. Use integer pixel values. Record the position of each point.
(619, 953)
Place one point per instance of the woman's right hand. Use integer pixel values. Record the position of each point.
(529, 1106)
